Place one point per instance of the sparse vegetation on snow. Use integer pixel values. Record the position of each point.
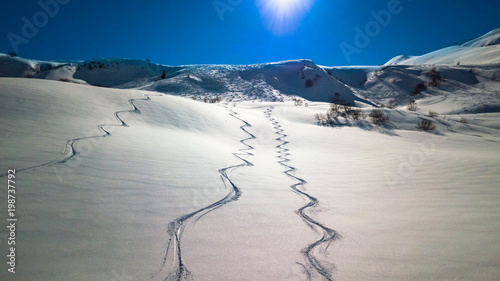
(425, 125)
(412, 106)
(378, 116)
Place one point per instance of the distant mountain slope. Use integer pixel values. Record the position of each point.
(102, 72)
(276, 81)
(489, 39)
(480, 51)
(269, 82)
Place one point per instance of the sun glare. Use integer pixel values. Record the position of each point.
(283, 17)
(284, 2)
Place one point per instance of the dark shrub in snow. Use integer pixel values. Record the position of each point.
(309, 83)
(378, 116)
(425, 125)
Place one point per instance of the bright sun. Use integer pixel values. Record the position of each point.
(283, 17)
(284, 2)
(284, 5)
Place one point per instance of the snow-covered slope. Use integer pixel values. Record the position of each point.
(483, 50)
(133, 182)
(268, 82)
(19, 67)
(469, 88)
(103, 72)
(118, 184)
(108, 178)
(489, 39)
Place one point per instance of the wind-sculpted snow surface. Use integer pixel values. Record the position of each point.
(425, 194)
(328, 234)
(173, 264)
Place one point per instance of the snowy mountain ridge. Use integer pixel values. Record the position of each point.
(489, 39)
(480, 51)
(268, 82)
(472, 65)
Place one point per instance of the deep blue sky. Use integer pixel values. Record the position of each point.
(179, 32)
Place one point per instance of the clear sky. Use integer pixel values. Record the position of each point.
(177, 32)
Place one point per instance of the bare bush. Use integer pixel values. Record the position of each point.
(297, 102)
(435, 78)
(212, 100)
(433, 114)
(339, 108)
(346, 108)
(392, 104)
(326, 119)
(418, 89)
(412, 105)
(425, 125)
(337, 99)
(463, 120)
(320, 117)
(335, 108)
(357, 114)
(378, 116)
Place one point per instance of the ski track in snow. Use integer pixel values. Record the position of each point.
(175, 228)
(72, 153)
(329, 235)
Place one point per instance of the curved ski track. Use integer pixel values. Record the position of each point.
(328, 234)
(70, 151)
(176, 227)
